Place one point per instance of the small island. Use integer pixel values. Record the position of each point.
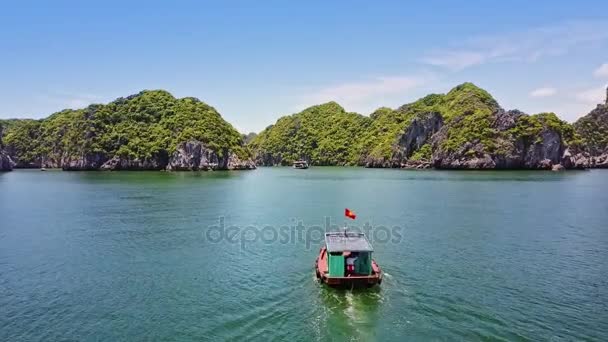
(152, 130)
(463, 129)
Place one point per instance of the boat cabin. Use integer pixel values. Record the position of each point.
(349, 254)
(300, 164)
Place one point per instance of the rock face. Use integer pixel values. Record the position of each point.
(236, 163)
(546, 152)
(116, 163)
(600, 162)
(86, 162)
(543, 150)
(372, 162)
(417, 134)
(6, 164)
(190, 156)
(195, 156)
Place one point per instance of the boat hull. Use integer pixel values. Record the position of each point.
(322, 274)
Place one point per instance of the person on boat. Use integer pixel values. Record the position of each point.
(350, 262)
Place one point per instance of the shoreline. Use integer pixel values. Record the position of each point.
(312, 167)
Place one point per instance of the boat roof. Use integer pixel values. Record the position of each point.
(347, 241)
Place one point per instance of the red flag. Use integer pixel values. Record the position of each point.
(350, 214)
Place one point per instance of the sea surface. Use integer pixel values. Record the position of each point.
(132, 256)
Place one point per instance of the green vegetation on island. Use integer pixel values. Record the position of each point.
(325, 135)
(593, 129)
(141, 129)
(464, 128)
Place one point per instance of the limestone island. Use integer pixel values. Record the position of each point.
(152, 130)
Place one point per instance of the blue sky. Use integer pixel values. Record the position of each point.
(255, 61)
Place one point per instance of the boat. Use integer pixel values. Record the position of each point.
(300, 164)
(345, 259)
(42, 169)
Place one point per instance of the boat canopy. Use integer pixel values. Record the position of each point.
(347, 241)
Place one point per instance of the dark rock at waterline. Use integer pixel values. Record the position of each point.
(189, 156)
(600, 162)
(6, 163)
(85, 162)
(545, 152)
(269, 159)
(236, 163)
(417, 164)
(117, 163)
(372, 162)
(194, 156)
(49, 162)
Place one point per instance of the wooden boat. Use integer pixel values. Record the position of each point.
(333, 266)
(300, 164)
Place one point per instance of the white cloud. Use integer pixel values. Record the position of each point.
(525, 46)
(591, 96)
(70, 100)
(543, 92)
(362, 96)
(76, 103)
(602, 71)
(455, 60)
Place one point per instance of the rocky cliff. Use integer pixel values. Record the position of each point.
(593, 132)
(194, 156)
(514, 141)
(463, 129)
(6, 164)
(151, 130)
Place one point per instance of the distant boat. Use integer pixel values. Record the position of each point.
(300, 164)
(42, 169)
(346, 260)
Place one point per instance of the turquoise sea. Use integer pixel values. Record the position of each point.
(473, 256)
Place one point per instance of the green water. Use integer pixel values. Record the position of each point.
(131, 256)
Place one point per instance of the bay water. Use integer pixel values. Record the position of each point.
(510, 255)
